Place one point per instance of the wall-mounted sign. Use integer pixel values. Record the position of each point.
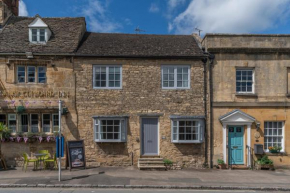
(35, 94)
(76, 154)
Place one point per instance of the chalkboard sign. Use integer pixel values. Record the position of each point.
(76, 154)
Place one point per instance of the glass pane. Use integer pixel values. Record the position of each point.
(185, 77)
(181, 130)
(116, 129)
(179, 76)
(171, 76)
(116, 135)
(110, 128)
(111, 70)
(111, 77)
(165, 77)
(174, 129)
(171, 70)
(238, 73)
(165, 83)
(181, 136)
(117, 84)
(117, 77)
(110, 136)
(171, 83)
(179, 83)
(185, 83)
(111, 83)
(174, 136)
(118, 70)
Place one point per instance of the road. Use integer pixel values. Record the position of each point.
(71, 190)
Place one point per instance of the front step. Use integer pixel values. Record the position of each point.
(240, 167)
(151, 164)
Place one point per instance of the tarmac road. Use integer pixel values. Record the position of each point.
(70, 190)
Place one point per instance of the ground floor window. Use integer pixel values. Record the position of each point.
(274, 134)
(187, 131)
(31, 122)
(110, 130)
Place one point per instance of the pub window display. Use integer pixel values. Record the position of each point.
(33, 122)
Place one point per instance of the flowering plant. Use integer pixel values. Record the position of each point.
(275, 148)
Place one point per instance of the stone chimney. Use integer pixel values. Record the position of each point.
(8, 8)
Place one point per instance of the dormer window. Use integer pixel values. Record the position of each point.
(39, 31)
(38, 35)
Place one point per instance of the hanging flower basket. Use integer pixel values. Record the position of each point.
(20, 109)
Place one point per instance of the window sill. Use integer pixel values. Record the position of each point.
(246, 95)
(107, 88)
(109, 141)
(276, 154)
(187, 142)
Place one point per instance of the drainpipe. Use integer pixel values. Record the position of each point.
(211, 58)
(204, 60)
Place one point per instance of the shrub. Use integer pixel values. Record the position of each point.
(220, 162)
(167, 162)
(265, 161)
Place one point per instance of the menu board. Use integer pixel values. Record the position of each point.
(76, 154)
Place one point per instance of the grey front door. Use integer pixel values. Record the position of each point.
(149, 136)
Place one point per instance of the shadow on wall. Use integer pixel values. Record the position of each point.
(72, 127)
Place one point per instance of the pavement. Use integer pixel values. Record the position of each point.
(57, 190)
(130, 177)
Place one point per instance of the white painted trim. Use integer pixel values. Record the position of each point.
(249, 144)
(225, 143)
(253, 81)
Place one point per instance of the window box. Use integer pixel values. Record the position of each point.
(187, 130)
(108, 129)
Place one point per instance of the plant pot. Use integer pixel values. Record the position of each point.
(274, 151)
(264, 166)
(222, 166)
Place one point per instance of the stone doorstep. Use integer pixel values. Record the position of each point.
(203, 187)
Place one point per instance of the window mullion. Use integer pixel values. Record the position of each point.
(175, 77)
(177, 130)
(107, 76)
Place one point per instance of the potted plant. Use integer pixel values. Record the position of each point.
(168, 163)
(221, 164)
(274, 149)
(264, 163)
(3, 132)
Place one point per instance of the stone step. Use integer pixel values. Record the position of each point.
(151, 162)
(153, 167)
(150, 159)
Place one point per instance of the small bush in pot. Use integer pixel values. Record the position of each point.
(221, 164)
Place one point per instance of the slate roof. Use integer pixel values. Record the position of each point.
(137, 45)
(65, 38)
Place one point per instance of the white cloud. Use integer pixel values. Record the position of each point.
(153, 8)
(97, 18)
(170, 27)
(22, 9)
(231, 16)
(174, 3)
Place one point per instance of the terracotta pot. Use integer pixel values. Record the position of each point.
(222, 166)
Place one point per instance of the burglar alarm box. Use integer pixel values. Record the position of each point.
(258, 149)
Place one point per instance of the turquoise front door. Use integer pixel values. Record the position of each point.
(236, 145)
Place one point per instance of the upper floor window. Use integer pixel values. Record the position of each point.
(110, 130)
(245, 81)
(38, 35)
(187, 131)
(107, 77)
(31, 74)
(175, 77)
(39, 31)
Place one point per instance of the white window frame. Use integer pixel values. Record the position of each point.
(38, 71)
(31, 122)
(12, 119)
(53, 122)
(42, 126)
(25, 74)
(253, 80)
(200, 131)
(38, 35)
(175, 76)
(122, 133)
(107, 76)
(283, 136)
(20, 122)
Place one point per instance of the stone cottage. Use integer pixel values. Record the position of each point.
(130, 97)
(141, 96)
(250, 98)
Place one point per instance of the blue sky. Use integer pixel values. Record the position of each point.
(170, 16)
